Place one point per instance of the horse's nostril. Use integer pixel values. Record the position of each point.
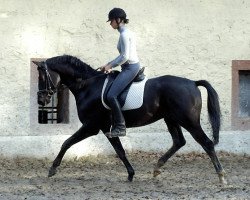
(40, 102)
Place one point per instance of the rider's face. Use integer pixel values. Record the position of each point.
(114, 23)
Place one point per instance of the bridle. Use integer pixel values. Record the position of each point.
(50, 87)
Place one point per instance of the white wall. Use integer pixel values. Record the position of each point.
(194, 39)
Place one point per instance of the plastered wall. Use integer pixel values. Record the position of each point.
(196, 39)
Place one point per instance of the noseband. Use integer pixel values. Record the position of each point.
(50, 87)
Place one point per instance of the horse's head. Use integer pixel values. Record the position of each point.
(67, 70)
(47, 84)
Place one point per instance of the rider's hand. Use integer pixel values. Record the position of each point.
(106, 69)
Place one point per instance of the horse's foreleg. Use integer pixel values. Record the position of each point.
(178, 142)
(80, 135)
(116, 143)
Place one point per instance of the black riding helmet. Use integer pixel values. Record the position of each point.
(116, 13)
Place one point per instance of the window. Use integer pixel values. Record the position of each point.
(241, 94)
(57, 111)
(58, 117)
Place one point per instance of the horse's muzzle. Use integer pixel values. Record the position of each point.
(43, 98)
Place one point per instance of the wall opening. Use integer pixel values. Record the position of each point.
(241, 94)
(57, 111)
(63, 119)
(244, 93)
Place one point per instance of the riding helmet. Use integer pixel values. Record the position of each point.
(116, 13)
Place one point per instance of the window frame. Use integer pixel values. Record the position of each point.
(238, 123)
(37, 128)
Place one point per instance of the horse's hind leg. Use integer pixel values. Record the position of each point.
(178, 142)
(199, 135)
(80, 135)
(116, 143)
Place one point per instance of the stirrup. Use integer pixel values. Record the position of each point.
(116, 133)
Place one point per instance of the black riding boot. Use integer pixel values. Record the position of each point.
(118, 128)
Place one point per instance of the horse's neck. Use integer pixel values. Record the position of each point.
(89, 84)
(73, 78)
(90, 90)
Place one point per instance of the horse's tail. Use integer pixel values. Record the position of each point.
(213, 108)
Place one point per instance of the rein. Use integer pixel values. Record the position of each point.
(84, 81)
(51, 88)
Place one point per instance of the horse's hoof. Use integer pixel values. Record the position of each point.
(52, 172)
(130, 178)
(156, 172)
(222, 178)
(223, 181)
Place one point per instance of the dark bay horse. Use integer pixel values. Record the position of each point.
(177, 100)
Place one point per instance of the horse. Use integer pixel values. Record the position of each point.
(177, 100)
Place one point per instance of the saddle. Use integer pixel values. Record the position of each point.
(122, 97)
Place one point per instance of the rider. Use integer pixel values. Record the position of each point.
(129, 62)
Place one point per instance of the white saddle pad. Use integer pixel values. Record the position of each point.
(134, 97)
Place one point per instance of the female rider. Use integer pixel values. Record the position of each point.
(129, 62)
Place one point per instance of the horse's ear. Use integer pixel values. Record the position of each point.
(37, 63)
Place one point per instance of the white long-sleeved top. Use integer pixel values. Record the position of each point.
(126, 47)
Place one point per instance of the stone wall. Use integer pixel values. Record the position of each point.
(193, 39)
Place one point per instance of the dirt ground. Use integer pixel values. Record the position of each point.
(189, 176)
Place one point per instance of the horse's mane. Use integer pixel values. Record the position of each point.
(77, 64)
